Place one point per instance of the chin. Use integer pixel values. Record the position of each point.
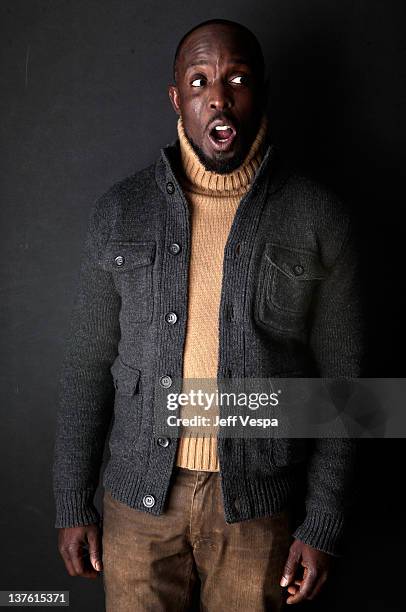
(219, 165)
(222, 166)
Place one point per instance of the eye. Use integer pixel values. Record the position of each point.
(197, 82)
(240, 79)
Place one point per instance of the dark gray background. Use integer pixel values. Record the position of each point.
(84, 104)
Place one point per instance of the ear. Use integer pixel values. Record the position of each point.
(173, 93)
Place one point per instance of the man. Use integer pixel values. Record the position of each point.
(215, 261)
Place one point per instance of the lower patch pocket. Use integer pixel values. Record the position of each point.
(127, 408)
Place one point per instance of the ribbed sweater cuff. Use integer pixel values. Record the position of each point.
(322, 530)
(75, 508)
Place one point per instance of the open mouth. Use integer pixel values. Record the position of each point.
(222, 136)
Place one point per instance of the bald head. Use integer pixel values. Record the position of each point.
(221, 26)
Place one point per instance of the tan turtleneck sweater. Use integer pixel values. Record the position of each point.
(213, 200)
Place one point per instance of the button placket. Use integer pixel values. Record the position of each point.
(176, 246)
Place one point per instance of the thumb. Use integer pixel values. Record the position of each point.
(94, 540)
(290, 568)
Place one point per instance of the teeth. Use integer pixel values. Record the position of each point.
(222, 127)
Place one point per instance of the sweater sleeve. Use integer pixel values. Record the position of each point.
(86, 391)
(337, 341)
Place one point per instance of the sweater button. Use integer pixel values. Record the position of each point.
(148, 501)
(237, 504)
(163, 442)
(170, 187)
(119, 260)
(165, 381)
(174, 248)
(171, 317)
(298, 269)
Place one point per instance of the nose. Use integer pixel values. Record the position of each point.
(220, 97)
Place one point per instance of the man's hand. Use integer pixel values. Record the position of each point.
(316, 566)
(80, 548)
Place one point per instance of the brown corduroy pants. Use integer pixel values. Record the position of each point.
(151, 563)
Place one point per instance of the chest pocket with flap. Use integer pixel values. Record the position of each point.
(132, 266)
(288, 279)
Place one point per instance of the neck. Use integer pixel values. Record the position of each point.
(236, 181)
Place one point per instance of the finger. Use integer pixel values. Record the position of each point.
(68, 562)
(319, 585)
(87, 570)
(290, 568)
(76, 557)
(310, 578)
(79, 556)
(293, 588)
(93, 537)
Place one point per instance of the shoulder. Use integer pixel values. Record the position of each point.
(314, 197)
(111, 203)
(312, 211)
(313, 205)
(125, 188)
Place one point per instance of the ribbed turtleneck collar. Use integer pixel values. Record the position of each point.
(205, 181)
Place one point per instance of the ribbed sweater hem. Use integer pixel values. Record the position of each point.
(257, 498)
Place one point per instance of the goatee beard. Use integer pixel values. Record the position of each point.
(220, 166)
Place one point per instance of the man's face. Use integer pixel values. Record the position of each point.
(218, 95)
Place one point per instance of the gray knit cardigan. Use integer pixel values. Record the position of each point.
(290, 306)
